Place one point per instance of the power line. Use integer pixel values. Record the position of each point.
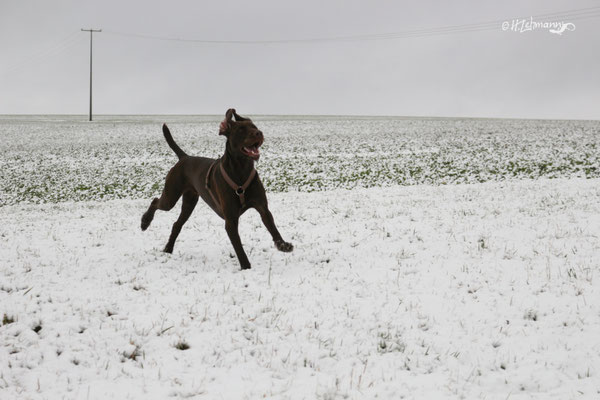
(56, 48)
(575, 14)
(71, 40)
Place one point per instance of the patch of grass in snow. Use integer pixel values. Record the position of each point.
(181, 345)
(389, 342)
(482, 242)
(132, 354)
(7, 320)
(73, 160)
(586, 374)
(531, 315)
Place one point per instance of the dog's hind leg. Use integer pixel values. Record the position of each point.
(169, 197)
(231, 226)
(187, 206)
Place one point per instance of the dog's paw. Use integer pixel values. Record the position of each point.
(284, 246)
(168, 249)
(146, 219)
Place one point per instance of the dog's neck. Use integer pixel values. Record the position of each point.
(237, 167)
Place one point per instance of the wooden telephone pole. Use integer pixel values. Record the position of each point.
(91, 31)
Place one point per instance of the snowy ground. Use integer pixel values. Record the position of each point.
(466, 291)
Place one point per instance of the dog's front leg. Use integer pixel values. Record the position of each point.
(267, 219)
(231, 226)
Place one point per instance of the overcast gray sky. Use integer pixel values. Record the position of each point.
(44, 64)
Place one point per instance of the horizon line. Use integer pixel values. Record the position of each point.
(303, 115)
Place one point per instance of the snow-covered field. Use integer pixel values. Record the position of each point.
(65, 158)
(434, 258)
(487, 290)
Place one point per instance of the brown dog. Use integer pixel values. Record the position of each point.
(229, 185)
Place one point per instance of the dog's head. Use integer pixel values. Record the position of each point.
(243, 137)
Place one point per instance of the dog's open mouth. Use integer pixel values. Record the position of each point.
(252, 151)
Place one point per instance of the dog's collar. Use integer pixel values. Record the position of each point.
(239, 190)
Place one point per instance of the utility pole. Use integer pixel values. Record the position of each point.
(91, 31)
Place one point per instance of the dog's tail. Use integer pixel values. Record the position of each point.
(180, 153)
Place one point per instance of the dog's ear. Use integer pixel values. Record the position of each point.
(226, 123)
(239, 118)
